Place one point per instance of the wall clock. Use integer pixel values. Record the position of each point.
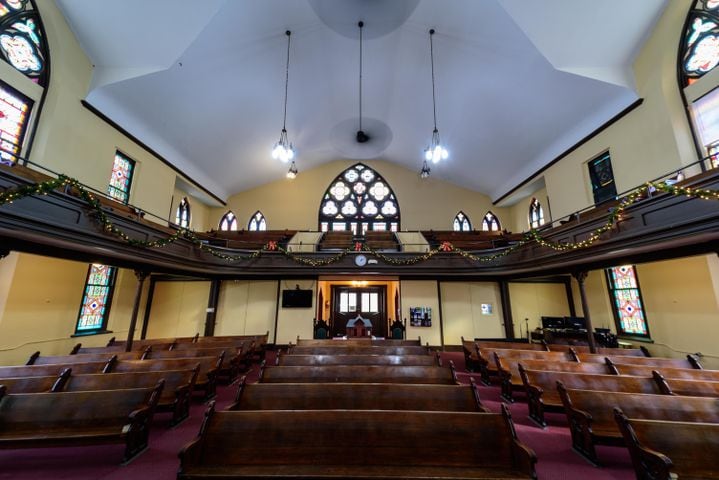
(360, 260)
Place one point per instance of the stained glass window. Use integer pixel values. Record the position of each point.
(22, 40)
(359, 199)
(96, 299)
(627, 301)
(182, 218)
(228, 222)
(257, 222)
(122, 169)
(490, 223)
(14, 111)
(536, 214)
(461, 223)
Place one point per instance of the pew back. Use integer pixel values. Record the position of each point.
(657, 447)
(575, 367)
(174, 379)
(299, 360)
(357, 396)
(358, 350)
(81, 358)
(49, 370)
(668, 372)
(339, 443)
(359, 374)
(29, 384)
(631, 360)
(694, 388)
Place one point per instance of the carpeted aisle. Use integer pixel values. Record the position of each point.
(557, 461)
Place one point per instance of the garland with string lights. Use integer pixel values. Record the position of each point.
(97, 213)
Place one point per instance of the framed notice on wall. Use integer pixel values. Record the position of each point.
(486, 309)
(420, 316)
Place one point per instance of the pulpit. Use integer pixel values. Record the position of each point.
(359, 327)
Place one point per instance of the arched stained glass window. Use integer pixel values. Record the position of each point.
(228, 222)
(461, 223)
(626, 299)
(257, 222)
(490, 223)
(359, 199)
(182, 218)
(536, 214)
(22, 40)
(700, 42)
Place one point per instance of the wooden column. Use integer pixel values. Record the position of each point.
(506, 309)
(141, 276)
(581, 276)
(148, 307)
(570, 296)
(212, 302)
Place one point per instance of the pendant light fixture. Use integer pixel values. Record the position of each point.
(283, 149)
(435, 152)
(292, 172)
(362, 137)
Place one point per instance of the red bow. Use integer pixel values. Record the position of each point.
(271, 245)
(358, 246)
(446, 247)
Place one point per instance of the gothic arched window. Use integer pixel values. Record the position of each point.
(257, 222)
(359, 199)
(490, 223)
(228, 222)
(461, 223)
(182, 218)
(698, 55)
(23, 46)
(536, 214)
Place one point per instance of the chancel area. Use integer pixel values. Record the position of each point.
(359, 239)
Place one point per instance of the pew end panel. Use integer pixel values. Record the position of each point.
(580, 427)
(648, 464)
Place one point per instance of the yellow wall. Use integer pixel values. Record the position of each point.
(532, 301)
(42, 305)
(681, 306)
(294, 204)
(178, 309)
(246, 308)
(421, 293)
(462, 314)
(292, 322)
(519, 212)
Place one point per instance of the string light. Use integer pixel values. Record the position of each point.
(74, 187)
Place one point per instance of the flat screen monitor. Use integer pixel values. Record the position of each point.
(297, 298)
(576, 323)
(552, 322)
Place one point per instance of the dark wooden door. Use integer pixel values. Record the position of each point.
(368, 302)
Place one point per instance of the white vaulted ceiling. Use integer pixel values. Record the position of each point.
(518, 81)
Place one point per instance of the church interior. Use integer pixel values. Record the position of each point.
(467, 220)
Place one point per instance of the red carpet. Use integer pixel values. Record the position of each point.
(557, 461)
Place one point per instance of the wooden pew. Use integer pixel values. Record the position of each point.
(668, 372)
(356, 444)
(663, 449)
(357, 396)
(175, 397)
(488, 361)
(78, 418)
(690, 362)
(542, 394)
(591, 418)
(471, 357)
(299, 360)
(206, 379)
(37, 359)
(574, 367)
(78, 348)
(354, 350)
(34, 384)
(228, 371)
(51, 370)
(693, 388)
(622, 352)
(259, 343)
(359, 374)
(507, 362)
(360, 341)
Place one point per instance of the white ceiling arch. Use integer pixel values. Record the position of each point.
(517, 82)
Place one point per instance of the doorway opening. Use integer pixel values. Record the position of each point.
(342, 300)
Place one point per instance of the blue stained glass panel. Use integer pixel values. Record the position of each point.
(96, 297)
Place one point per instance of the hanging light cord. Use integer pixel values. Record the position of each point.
(287, 78)
(431, 56)
(360, 24)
